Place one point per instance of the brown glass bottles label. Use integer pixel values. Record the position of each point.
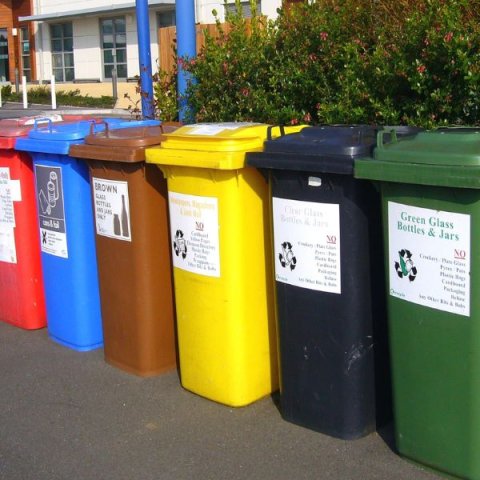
(112, 209)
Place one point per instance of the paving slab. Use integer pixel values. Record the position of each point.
(68, 415)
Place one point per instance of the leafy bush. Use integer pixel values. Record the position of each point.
(164, 97)
(6, 91)
(343, 61)
(233, 69)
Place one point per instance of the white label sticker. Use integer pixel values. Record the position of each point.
(42, 119)
(429, 257)
(194, 232)
(307, 244)
(112, 209)
(7, 213)
(16, 190)
(215, 128)
(8, 252)
(51, 212)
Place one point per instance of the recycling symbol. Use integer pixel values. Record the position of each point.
(405, 267)
(287, 258)
(179, 244)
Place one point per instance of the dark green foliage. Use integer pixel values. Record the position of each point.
(344, 61)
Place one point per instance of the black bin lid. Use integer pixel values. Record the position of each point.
(323, 149)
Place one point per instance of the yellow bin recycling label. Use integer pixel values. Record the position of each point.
(221, 254)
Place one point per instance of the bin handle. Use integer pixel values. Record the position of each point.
(167, 124)
(271, 127)
(37, 121)
(170, 124)
(93, 124)
(380, 137)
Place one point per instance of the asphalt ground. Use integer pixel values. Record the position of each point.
(69, 415)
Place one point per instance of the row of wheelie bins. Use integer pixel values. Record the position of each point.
(347, 253)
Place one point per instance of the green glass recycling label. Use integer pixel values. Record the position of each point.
(429, 257)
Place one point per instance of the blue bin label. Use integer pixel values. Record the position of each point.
(51, 211)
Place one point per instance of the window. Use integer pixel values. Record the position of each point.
(25, 53)
(61, 35)
(114, 46)
(247, 13)
(4, 76)
(166, 19)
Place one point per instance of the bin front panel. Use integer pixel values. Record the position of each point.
(434, 320)
(134, 265)
(330, 303)
(68, 250)
(22, 300)
(224, 303)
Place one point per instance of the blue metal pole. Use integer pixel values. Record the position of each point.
(186, 46)
(145, 58)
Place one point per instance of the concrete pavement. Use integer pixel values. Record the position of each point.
(69, 415)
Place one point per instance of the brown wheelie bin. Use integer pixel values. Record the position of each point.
(133, 249)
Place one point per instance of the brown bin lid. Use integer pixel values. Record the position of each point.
(122, 145)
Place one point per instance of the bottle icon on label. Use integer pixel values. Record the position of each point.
(124, 219)
(49, 202)
(116, 225)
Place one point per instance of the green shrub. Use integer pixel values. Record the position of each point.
(232, 71)
(164, 97)
(6, 91)
(344, 61)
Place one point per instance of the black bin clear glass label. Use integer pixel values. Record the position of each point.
(307, 244)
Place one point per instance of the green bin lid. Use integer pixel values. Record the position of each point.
(448, 157)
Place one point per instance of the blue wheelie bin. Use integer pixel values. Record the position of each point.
(67, 236)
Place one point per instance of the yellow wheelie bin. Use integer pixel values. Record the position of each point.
(222, 260)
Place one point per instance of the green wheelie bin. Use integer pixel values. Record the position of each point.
(430, 191)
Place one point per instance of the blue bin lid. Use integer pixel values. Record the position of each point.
(79, 130)
(57, 138)
(325, 149)
(66, 132)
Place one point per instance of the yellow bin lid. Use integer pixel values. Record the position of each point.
(220, 146)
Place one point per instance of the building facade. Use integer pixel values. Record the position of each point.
(85, 41)
(16, 40)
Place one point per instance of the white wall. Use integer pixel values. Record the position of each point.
(205, 7)
(86, 51)
(86, 31)
(43, 52)
(57, 6)
(88, 59)
(269, 8)
(132, 44)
